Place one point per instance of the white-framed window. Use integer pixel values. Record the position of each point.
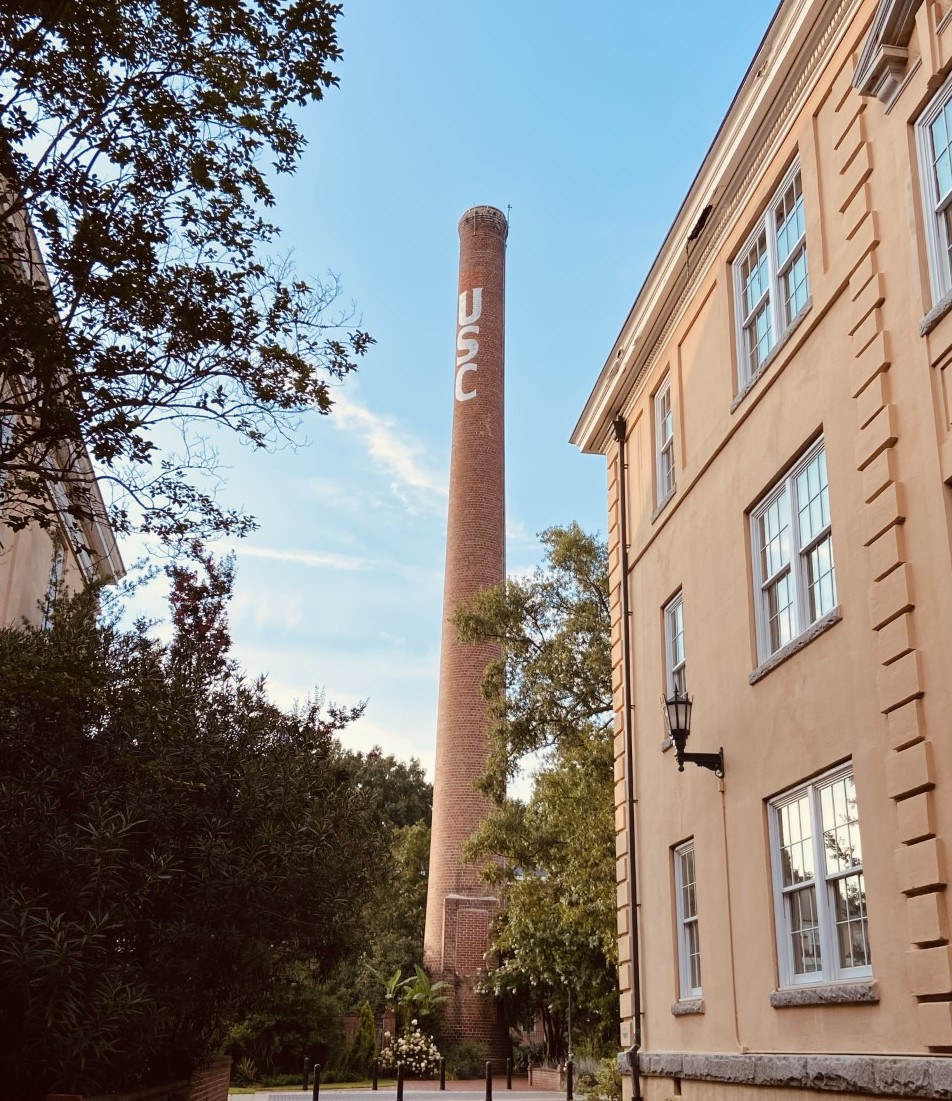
(674, 667)
(689, 947)
(664, 440)
(934, 141)
(771, 280)
(794, 579)
(819, 891)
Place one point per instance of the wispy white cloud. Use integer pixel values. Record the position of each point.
(398, 453)
(308, 558)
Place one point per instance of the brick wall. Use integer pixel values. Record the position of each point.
(208, 1083)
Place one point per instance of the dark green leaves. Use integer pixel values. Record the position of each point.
(138, 137)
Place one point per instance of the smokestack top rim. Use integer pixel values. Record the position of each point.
(484, 219)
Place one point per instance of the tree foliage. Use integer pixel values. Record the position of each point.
(551, 686)
(137, 138)
(549, 697)
(392, 921)
(173, 844)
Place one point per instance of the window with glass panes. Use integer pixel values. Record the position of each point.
(934, 138)
(771, 280)
(819, 891)
(689, 947)
(664, 433)
(793, 554)
(675, 676)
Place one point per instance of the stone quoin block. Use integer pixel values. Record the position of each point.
(906, 725)
(935, 1023)
(886, 553)
(868, 328)
(855, 174)
(927, 918)
(921, 867)
(855, 212)
(899, 682)
(881, 432)
(850, 143)
(875, 395)
(890, 597)
(916, 818)
(930, 971)
(910, 771)
(896, 639)
(866, 269)
(870, 362)
(886, 509)
(871, 296)
(879, 474)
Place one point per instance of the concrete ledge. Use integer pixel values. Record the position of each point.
(778, 657)
(687, 1006)
(869, 1075)
(841, 993)
(935, 315)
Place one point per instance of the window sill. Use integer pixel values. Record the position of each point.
(688, 1007)
(935, 315)
(664, 504)
(824, 623)
(771, 356)
(841, 993)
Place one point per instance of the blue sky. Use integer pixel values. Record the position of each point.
(590, 123)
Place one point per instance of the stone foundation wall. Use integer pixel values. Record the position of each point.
(863, 1075)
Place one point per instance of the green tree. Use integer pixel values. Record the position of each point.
(149, 310)
(392, 923)
(173, 844)
(400, 789)
(364, 1048)
(549, 698)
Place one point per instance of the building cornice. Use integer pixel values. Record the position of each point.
(784, 72)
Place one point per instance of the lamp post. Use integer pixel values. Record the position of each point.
(677, 715)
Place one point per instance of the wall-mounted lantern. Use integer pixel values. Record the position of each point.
(677, 714)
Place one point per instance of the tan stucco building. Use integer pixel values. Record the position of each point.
(776, 416)
(36, 564)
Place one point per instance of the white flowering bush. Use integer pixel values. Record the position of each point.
(416, 1052)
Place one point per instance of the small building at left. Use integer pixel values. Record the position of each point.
(75, 546)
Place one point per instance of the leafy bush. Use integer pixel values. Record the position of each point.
(467, 1059)
(605, 1084)
(298, 1019)
(154, 798)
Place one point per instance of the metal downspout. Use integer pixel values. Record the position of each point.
(621, 432)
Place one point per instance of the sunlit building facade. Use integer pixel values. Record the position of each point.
(776, 416)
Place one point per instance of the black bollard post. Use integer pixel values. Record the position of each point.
(400, 1082)
(489, 1081)
(307, 1073)
(315, 1096)
(442, 1073)
(508, 1074)
(569, 1072)
(375, 1072)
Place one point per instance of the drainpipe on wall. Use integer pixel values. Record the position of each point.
(621, 432)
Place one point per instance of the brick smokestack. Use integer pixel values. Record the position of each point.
(459, 905)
